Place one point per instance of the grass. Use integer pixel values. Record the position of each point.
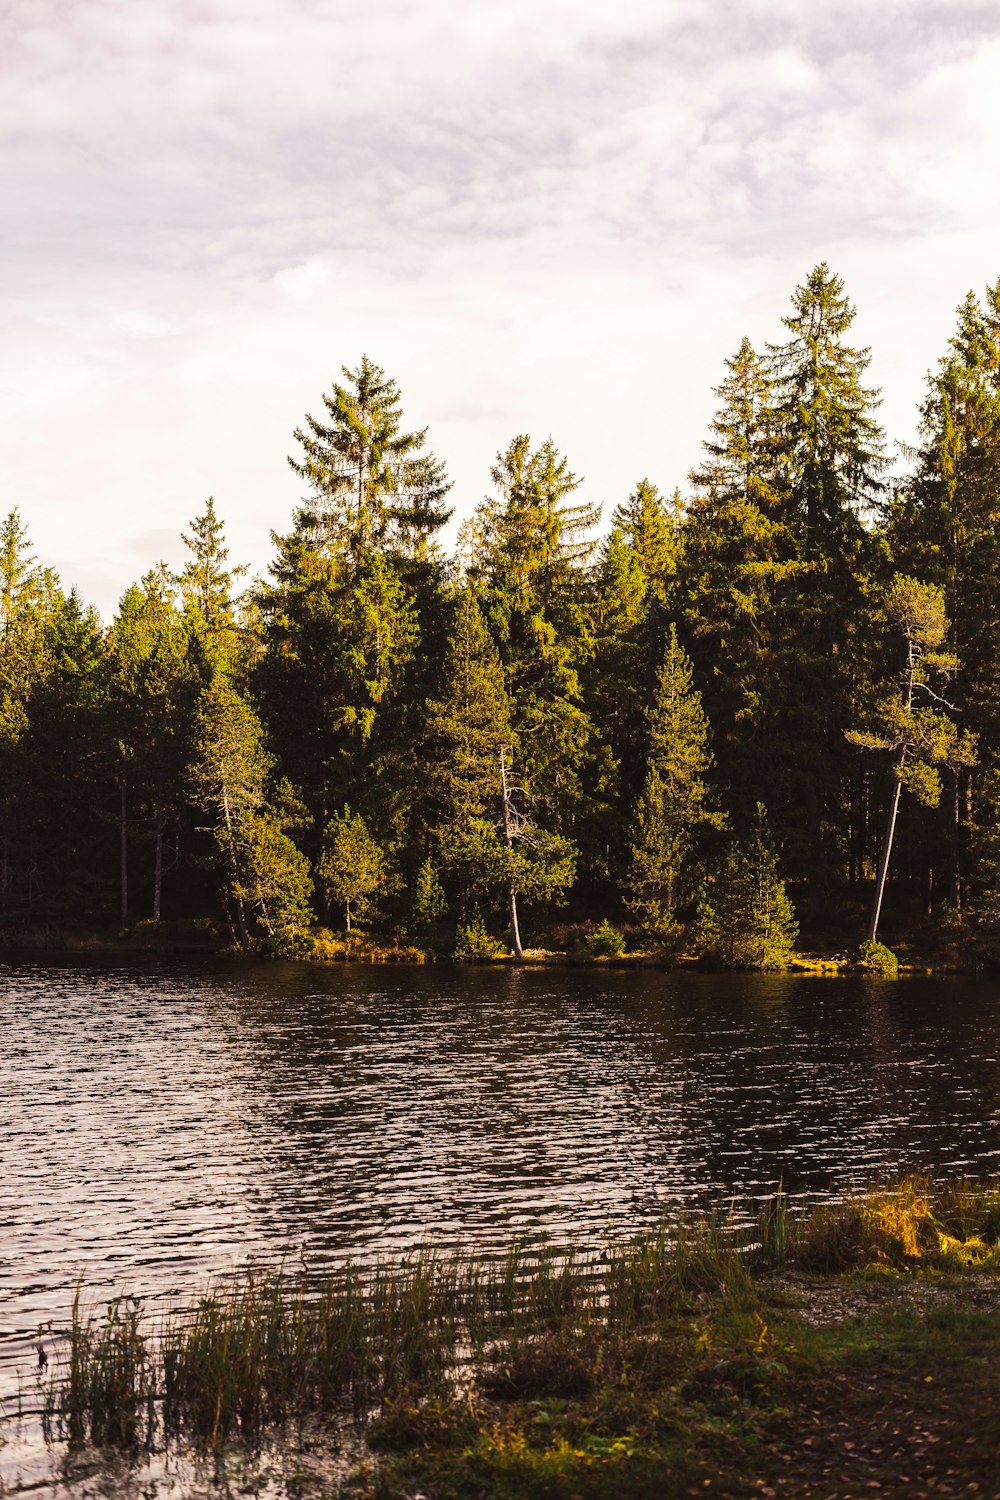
(711, 1353)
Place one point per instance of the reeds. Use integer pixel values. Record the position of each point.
(265, 1346)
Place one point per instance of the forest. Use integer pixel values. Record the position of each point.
(697, 732)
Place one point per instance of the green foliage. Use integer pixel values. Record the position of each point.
(709, 652)
(352, 868)
(877, 959)
(268, 879)
(371, 483)
(473, 944)
(745, 919)
(675, 803)
(429, 900)
(604, 942)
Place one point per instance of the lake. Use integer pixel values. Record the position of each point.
(161, 1123)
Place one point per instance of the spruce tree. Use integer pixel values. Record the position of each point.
(488, 839)
(675, 804)
(944, 524)
(352, 867)
(371, 484)
(267, 877)
(533, 549)
(746, 920)
(148, 690)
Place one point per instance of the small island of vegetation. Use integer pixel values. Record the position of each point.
(703, 737)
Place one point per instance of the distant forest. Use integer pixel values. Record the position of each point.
(692, 731)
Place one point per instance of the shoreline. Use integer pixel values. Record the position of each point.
(847, 1348)
(366, 954)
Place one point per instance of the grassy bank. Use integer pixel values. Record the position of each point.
(834, 1352)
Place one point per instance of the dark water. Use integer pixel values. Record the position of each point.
(160, 1124)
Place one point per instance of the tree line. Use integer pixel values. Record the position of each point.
(745, 694)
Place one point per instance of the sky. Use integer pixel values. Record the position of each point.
(556, 217)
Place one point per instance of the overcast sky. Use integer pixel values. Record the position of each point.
(544, 216)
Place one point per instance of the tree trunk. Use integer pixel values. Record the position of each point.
(883, 868)
(123, 850)
(347, 914)
(956, 846)
(158, 866)
(515, 931)
(234, 870)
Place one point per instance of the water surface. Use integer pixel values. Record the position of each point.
(159, 1124)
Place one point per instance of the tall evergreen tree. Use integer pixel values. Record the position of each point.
(675, 804)
(267, 878)
(531, 567)
(945, 525)
(371, 484)
(910, 724)
(487, 839)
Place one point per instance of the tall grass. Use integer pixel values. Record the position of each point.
(265, 1345)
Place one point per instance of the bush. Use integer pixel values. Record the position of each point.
(604, 942)
(473, 944)
(875, 958)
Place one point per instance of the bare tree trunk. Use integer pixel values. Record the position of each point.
(515, 932)
(240, 910)
(955, 842)
(347, 914)
(123, 839)
(158, 866)
(883, 868)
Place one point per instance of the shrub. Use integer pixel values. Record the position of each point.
(473, 944)
(877, 959)
(604, 942)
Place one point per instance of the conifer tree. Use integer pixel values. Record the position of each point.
(675, 803)
(909, 722)
(267, 876)
(148, 689)
(370, 483)
(945, 525)
(740, 570)
(533, 548)
(633, 581)
(29, 600)
(486, 837)
(206, 580)
(352, 866)
(353, 618)
(746, 919)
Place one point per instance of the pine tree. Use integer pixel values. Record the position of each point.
(740, 570)
(486, 837)
(267, 876)
(945, 525)
(633, 581)
(352, 867)
(30, 601)
(919, 737)
(353, 620)
(531, 569)
(206, 589)
(746, 919)
(148, 689)
(675, 803)
(371, 484)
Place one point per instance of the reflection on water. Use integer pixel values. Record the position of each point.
(159, 1124)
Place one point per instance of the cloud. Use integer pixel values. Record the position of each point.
(535, 215)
